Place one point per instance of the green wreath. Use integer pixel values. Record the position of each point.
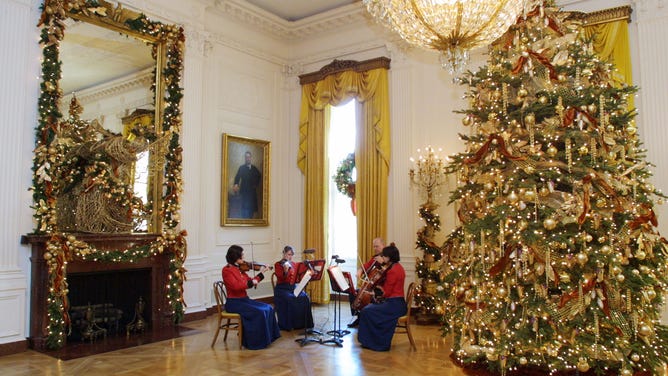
(343, 178)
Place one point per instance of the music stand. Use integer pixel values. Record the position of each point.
(312, 272)
(339, 285)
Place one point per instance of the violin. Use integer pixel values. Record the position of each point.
(252, 265)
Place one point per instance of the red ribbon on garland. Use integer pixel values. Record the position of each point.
(485, 148)
(542, 59)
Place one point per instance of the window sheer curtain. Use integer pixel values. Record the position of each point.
(367, 82)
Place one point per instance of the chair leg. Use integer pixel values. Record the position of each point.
(215, 337)
(410, 336)
(227, 329)
(239, 333)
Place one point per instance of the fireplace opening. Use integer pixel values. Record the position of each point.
(104, 303)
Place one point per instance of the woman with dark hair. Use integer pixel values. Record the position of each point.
(294, 312)
(378, 319)
(259, 320)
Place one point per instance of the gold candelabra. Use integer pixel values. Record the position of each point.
(429, 172)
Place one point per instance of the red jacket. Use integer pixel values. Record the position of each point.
(237, 282)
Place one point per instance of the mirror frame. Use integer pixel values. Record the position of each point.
(168, 47)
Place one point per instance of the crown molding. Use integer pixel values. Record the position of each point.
(113, 88)
(292, 30)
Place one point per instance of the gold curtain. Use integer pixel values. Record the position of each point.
(610, 32)
(370, 89)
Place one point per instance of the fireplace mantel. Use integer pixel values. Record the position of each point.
(161, 311)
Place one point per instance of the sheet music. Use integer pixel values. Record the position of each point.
(302, 283)
(340, 280)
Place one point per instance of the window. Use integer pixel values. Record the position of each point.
(342, 223)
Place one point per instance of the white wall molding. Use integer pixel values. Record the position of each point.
(282, 29)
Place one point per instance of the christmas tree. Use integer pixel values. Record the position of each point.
(557, 265)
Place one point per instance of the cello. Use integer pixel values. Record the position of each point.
(374, 276)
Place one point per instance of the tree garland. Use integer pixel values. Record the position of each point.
(343, 178)
(62, 248)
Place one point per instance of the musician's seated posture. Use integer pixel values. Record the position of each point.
(294, 312)
(378, 319)
(378, 245)
(259, 320)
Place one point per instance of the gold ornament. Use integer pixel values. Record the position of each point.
(583, 366)
(631, 130)
(466, 121)
(512, 197)
(625, 372)
(47, 255)
(542, 99)
(522, 92)
(635, 357)
(552, 151)
(640, 255)
(651, 294)
(620, 278)
(582, 258)
(530, 119)
(530, 195)
(523, 360)
(549, 223)
(544, 191)
(583, 150)
(501, 292)
(644, 330)
(564, 277)
(606, 249)
(591, 108)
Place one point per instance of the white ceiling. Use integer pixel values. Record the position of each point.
(294, 10)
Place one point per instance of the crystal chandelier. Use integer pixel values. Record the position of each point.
(452, 27)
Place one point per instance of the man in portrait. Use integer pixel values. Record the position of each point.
(246, 182)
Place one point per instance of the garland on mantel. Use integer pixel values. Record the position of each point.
(62, 248)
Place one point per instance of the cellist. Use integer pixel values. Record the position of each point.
(378, 319)
(378, 245)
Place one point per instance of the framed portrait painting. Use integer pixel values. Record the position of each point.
(245, 182)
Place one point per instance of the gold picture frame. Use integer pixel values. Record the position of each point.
(245, 182)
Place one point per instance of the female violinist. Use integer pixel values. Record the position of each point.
(378, 319)
(259, 320)
(294, 312)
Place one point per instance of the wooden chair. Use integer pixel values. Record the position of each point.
(233, 319)
(273, 280)
(404, 323)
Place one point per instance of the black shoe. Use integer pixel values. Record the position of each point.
(355, 323)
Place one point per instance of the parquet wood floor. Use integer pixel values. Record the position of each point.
(192, 355)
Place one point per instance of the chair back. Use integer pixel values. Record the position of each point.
(221, 295)
(410, 294)
(274, 278)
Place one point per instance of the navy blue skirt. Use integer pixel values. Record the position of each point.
(377, 323)
(259, 321)
(294, 312)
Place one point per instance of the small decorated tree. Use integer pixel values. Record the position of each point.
(428, 176)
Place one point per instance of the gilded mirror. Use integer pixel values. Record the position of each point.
(107, 157)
